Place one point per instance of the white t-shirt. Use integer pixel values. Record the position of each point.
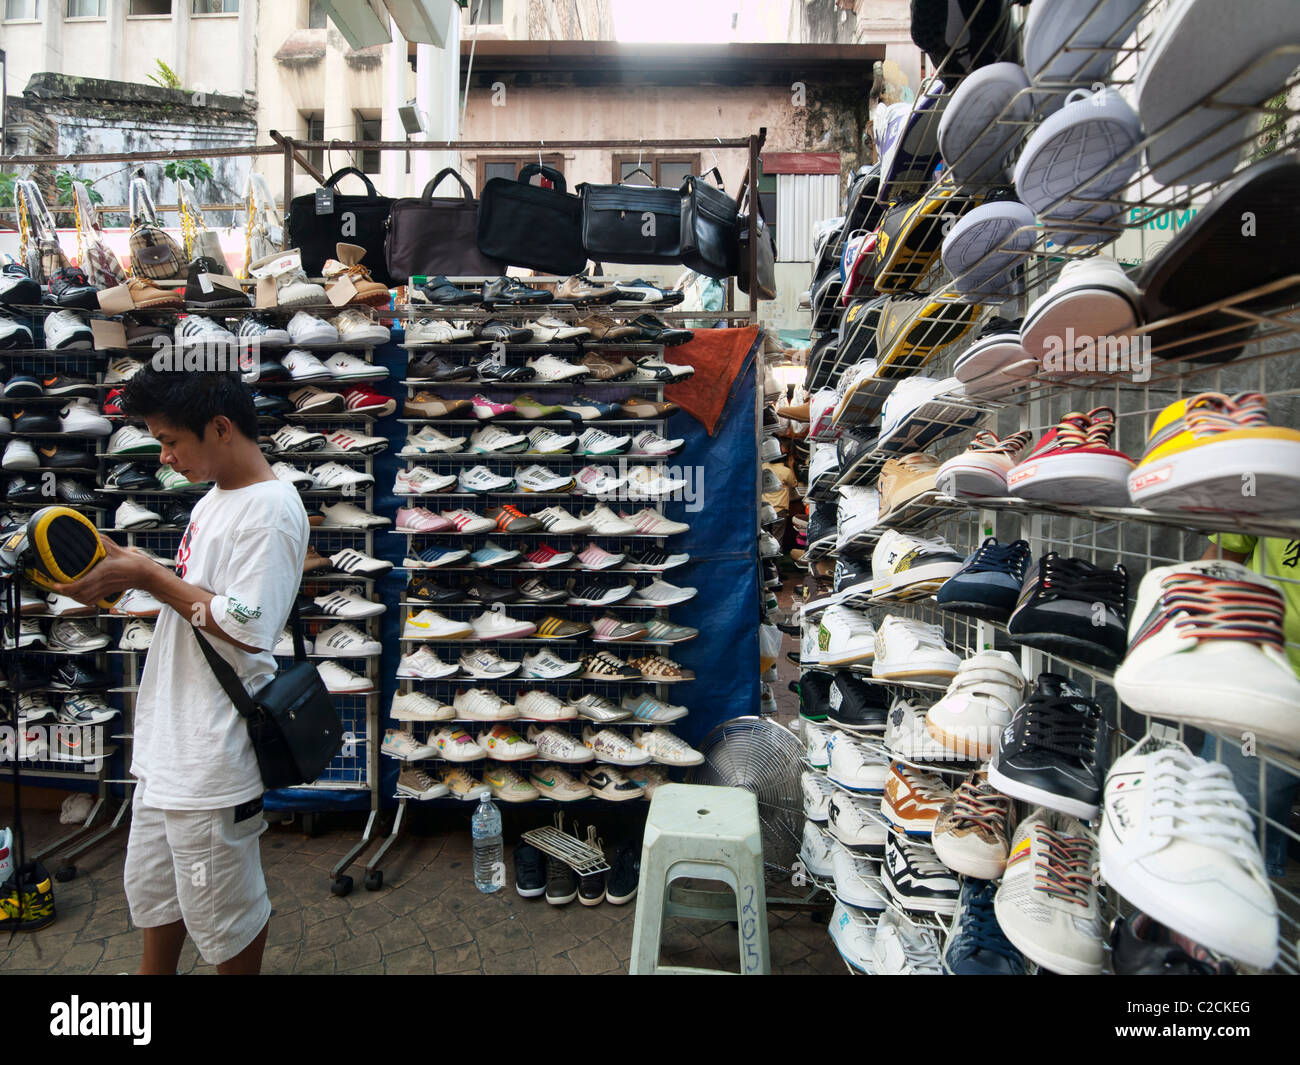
(192, 750)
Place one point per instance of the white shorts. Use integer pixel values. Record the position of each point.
(200, 866)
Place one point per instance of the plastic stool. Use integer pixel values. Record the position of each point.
(710, 834)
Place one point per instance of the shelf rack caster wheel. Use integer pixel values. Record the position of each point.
(341, 886)
(374, 879)
(64, 873)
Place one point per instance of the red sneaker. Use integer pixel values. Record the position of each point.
(544, 556)
(362, 399)
(1074, 463)
(113, 403)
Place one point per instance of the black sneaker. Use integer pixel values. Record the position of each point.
(856, 704)
(439, 369)
(653, 560)
(269, 369)
(131, 478)
(68, 387)
(14, 335)
(853, 444)
(23, 386)
(35, 421)
(481, 590)
(510, 292)
(1055, 751)
(914, 876)
(591, 889)
(624, 873)
(1075, 609)
(217, 295)
(851, 573)
(271, 405)
(530, 870)
(989, 581)
(72, 676)
(27, 899)
(823, 525)
(57, 457)
(442, 292)
(17, 289)
(75, 494)
(496, 330)
(490, 368)
(178, 516)
(428, 590)
(141, 333)
(28, 674)
(654, 330)
(1139, 946)
(813, 688)
(536, 590)
(71, 288)
(561, 882)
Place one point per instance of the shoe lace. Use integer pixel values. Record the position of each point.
(1214, 412)
(1054, 723)
(921, 949)
(991, 555)
(986, 442)
(980, 805)
(1076, 578)
(1093, 429)
(1064, 866)
(1211, 608)
(1196, 800)
(980, 923)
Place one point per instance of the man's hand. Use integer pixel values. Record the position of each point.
(120, 569)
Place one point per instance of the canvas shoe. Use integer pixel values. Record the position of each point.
(844, 637)
(976, 945)
(1177, 841)
(430, 625)
(980, 701)
(903, 947)
(486, 665)
(416, 706)
(907, 649)
(556, 745)
(988, 584)
(455, 745)
(429, 441)
(856, 880)
(544, 556)
(537, 705)
(1075, 461)
(556, 784)
(504, 744)
(349, 602)
(1202, 450)
(904, 479)
(1055, 751)
(855, 765)
(648, 709)
(402, 745)
(546, 665)
(848, 701)
(908, 566)
(1207, 647)
(912, 799)
(970, 833)
(906, 735)
(290, 439)
(915, 878)
(137, 635)
(495, 624)
(1047, 903)
(597, 708)
(479, 704)
(1070, 607)
(417, 784)
(480, 479)
(596, 558)
(598, 480)
(432, 557)
(509, 786)
(462, 784)
(982, 469)
(606, 782)
(648, 522)
(303, 366)
(613, 747)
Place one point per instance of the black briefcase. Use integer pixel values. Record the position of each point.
(528, 225)
(353, 220)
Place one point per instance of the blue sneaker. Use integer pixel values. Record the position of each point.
(988, 584)
(976, 945)
(434, 556)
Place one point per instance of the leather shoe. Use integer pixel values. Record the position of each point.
(439, 369)
(496, 330)
(510, 292)
(440, 291)
(655, 330)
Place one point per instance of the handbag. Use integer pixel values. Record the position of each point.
(39, 248)
(763, 286)
(200, 241)
(527, 225)
(100, 263)
(632, 223)
(353, 219)
(436, 236)
(154, 253)
(295, 730)
(710, 239)
(263, 230)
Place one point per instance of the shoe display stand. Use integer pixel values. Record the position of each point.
(1081, 527)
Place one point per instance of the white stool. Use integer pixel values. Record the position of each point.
(707, 833)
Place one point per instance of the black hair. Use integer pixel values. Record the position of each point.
(190, 400)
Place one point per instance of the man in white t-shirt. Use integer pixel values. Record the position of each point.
(193, 860)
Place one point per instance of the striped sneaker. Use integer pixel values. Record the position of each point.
(596, 557)
(434, 556)
(610, 629)
(508, 518)
(362, 399)
(598, 442)
(597, 708)
(553, 628)
(599, 594)
(479, 704)
(543, 441)
(559, 521)
(660, 631)
(420, 520)
(491, 554)
(348, 442)
(651, 523)
(605, 666)
(537, 705)
(466, 521)
(546, 665)
(544, 556)
(651, 710)
(661, 593)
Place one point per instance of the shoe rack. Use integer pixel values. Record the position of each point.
(1134, 537)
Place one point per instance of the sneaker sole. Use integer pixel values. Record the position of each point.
(1067, 478)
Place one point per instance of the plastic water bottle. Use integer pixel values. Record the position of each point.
(489, 852)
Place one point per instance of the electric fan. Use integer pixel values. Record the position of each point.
(761, 756)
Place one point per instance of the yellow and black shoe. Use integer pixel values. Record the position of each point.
(911, 235)
(63, 546)
(27, 900)
(911, 331)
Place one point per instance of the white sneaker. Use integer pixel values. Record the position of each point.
(435, 331)
(479, 704)
(902, 947)
(358, 564)
(336, 475)
(597, 708)
(492, 439)
(660, 593)
(430, 625)
(857, 880)
(858, 512)
(553, 369)
(816, 850)
(907, 649)
(643, 482)
(467, 522)
(604, 522)
(349, 602)
(342, 681)
(905, 566)
(312, 400)
(356, 327)
(456, 745)
(416, 706)
(300, 479)
(537, 478)
(979, 703)
(845, 636)
(424, 664)
(1177, 841)
(429, 441)
(537, 705)
(137, 635)
(856, 821)
(135, 603)
(665, 748)
(347, 367)
(422, 481)
(346, 641)
(304, 366)
(20, 455)
(595, 441)
(350, 442)
(1047, 900)
(556, 745)
(486, 665)
(402, 745)
(546, 665)
(559, 521)
(121, 369)
(308, 330)
(80, 418)
(131, 515)
(350, 516)
(598, 480)
(544, 441)
(481, 479)
(981, 470)
(817, 792)
(854, 936)
(816, 739)
(294, 438)
(79, 635)
(67, 331)
(556, 784)
(906, 734)
(613, 747)
(495, 624)
(504, 744)
(854, 764)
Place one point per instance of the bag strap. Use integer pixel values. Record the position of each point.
(142, 208)
(549, 172)
(427, 194)
(229, 679)
(717, 176)
(333, 180)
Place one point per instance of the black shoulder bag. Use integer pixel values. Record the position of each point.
(296, 731)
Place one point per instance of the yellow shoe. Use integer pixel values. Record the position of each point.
(27, 900)
(902, 480)
(912, 331)
(911, 236)
(1214, 452)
